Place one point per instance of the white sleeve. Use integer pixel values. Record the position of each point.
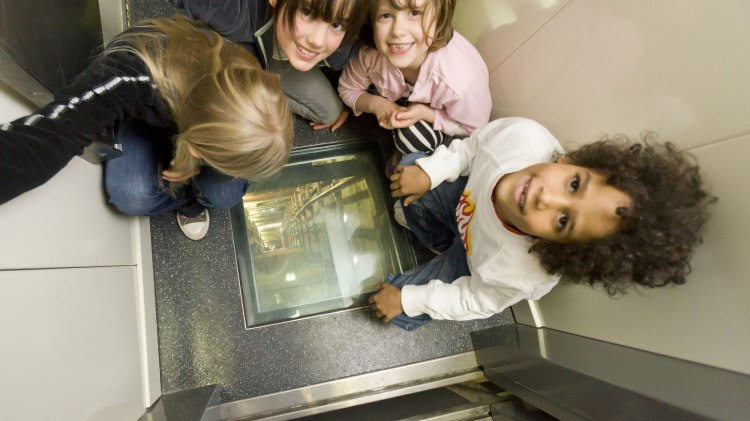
(464, 299)
(448, 163)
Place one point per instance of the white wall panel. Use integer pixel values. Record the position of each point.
(622, 67)
(498, 28)
(65, 222)
(70, 345)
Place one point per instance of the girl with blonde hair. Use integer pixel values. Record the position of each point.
(196, 115)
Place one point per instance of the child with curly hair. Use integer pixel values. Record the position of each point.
(511, 215)
(430, 82)
(197, 117)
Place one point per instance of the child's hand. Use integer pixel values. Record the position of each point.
(176, 176)
(410, 181)
(387, 302)
(411, 114)
(335, 125)
(385, 112)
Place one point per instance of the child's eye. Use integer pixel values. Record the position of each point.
(562, 221)
(306, 12)
(338, 26)
(574, 184)
(414, 13)
(384, 16)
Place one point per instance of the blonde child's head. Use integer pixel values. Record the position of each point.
(231, 115)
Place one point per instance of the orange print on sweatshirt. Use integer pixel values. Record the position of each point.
(464, 214)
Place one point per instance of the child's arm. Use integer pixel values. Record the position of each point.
(34, 148)
(501, 275)
(383, 109)
(412, 114)
(449, 163)
(459, 300)
(230, 18)
(387, 302)
(353, 85)
(469, 111)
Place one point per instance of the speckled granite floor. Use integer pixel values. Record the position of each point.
(202, 338)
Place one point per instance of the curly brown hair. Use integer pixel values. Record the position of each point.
(658, 233)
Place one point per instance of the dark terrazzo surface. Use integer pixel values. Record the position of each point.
(201, 330)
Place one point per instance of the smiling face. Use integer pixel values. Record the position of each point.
(310, 40)
(560, 202)
(399, 33)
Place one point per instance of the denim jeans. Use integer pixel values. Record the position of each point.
(432, 220)
(134, 184)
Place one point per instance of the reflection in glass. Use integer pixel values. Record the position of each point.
(319, 235)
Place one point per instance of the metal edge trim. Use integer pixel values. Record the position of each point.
(355, 390)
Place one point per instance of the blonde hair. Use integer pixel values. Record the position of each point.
(230, 111)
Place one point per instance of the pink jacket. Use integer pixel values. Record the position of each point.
(453, 80)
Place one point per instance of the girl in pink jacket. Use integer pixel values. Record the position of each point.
(430, 81)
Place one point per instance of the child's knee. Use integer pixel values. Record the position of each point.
(418, 137)
(136, 199)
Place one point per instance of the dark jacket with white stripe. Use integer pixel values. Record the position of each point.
(114, 87)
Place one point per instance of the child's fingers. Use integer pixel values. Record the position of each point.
(318, 126)
(374, 298)
(411, 198)
(340, 121)
(385, 124)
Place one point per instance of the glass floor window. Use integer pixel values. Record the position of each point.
(317, 236)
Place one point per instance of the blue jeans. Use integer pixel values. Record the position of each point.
(432, 220)
(134, 184)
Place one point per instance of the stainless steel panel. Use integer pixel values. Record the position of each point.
(344, 393)
(572, 377)
(44, 45)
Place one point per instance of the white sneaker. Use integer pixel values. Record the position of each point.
(196, 227)
(398, 214)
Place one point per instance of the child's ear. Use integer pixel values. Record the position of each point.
(272, 3)
(193, 152)
(562, 159)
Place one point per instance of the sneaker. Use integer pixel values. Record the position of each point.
(398, 214)
(196, 227)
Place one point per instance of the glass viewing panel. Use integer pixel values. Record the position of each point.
(319, 235)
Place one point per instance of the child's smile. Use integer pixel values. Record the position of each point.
(400, 36)
(559, 202)
(310, 41)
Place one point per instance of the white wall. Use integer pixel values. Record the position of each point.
(77, 317)
(680, 68)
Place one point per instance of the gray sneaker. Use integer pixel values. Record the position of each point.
(196, 227)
